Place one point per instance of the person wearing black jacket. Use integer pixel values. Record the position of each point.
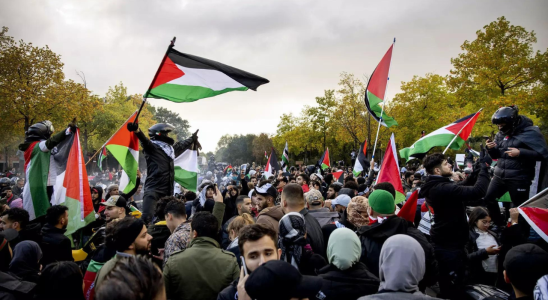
(450, 231)
(387, 224)
(518, 146)
(55, 245)
(160, 151)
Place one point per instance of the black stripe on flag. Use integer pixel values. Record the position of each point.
(247, 79)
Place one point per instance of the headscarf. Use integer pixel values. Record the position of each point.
(344, 248)
(358, 204)
(401, 264)
(291, 238)
(26, 261)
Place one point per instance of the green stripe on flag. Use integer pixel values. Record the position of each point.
(324, 166)
(75, 221)
(425, 144)
(185, 93)
(38, 179)
(374, 104)
(186, 179)
(128, 163)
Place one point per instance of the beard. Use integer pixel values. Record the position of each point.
(142, 251)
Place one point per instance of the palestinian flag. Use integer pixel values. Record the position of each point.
(102, 156)
(376, 89)
(89, 278)
(444, 136)
(186, 78)
(272, 166)
(338, 176)
(35, 195)
(285, 158)
(228, 169)
(186, 169)
(535, 211)
(361, 161)
(324, 160)
(124, 146)
(71, 187)
(390, 170)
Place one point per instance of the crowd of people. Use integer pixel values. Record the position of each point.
(297, 234)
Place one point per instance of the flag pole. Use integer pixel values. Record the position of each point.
(97, 152)
(461, 131)
(383, 103)
(145, 96)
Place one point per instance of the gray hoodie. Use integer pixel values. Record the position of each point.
(401, 267)
(324, 216)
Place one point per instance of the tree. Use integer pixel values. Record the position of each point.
(425, 103)
(260, 145)
(235, 149)
(351, 111)
(498, 68)
(164, 115)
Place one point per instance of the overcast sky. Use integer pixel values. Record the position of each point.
(300, 46)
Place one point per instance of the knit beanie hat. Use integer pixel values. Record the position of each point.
(382, 202)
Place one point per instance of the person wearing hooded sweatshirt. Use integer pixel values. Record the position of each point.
(346, 277)
(450, 232)
(11, 286)
(401, 268)
(373, 237)
(269, 213)
(25, 263)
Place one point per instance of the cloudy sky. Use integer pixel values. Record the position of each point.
(300, 46)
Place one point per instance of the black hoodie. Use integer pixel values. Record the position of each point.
(448, 199)
(372, 238)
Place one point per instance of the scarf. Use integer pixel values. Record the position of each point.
(168, 149)
(401, 264)
(25, 262)
(343, 249)
(291, 238)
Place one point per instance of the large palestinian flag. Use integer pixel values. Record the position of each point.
(390, 170)
(376, 89)
(186, 78)
(324, 160)
(338, 177)
(186, 169)
(535, 211)
(71, 182)
(37, 165)
(124, 146)
(272, 166)
(442, 137)
(361, 161)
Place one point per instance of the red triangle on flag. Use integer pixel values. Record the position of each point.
(409, 208)
(124, 137)
(76, 179)
(168, 72)
(466, 124)
(390, 170)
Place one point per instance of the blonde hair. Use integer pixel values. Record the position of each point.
(240, 222)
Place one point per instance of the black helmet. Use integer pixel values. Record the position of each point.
(160, 129)
(41, 130)
(506, 115)
(5, 181)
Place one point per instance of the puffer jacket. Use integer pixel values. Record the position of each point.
(516, 168)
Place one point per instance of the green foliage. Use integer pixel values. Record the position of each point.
(164, 115)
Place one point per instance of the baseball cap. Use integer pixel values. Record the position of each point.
(313, 197)
(266, 190)
(525, 265)
(341, 200)
(115, 200)
(382, 202)
(278, 279)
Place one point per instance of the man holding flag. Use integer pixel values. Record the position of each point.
(160, 151)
